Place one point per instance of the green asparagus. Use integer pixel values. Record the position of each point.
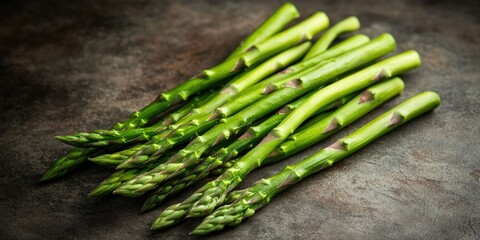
(247, 97)
(191, 154)
(255, 197)
(274, 24)
(213, 193)
(102, 138)
(198, 117)
(307, 29)
(249, 78)
(257, 91)
(207, 79)
(245, 142)
(349, 24)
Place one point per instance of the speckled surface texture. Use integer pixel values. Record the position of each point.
(69, 66)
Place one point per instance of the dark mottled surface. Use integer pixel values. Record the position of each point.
(68, 66)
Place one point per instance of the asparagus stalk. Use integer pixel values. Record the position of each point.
(208, 78)
(191, 154)
(249, 78)
(228, 164)
(120, 158)
(275, 23)
(349, 24)
(103, 138)
(218, 159)
(252, 95)
(309, 133)
(249, 96)
(299, 33)
(212, 194)
(278, 20)
(359, 106)
(233, 176)
(255, 197)
(198, 117)
(257, 91)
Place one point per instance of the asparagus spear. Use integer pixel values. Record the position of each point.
(212, 194)
(249, 78)
(207, 79)
(255, 197)
(349, 24)
(113, 181)
(191, 154)
(232, 177)
(228, 164)
(102, 138)
(275, 23)
(249, 96)
(116, 179)
(257, 91)
(278, 20)
(353, 110)
(308, 133)
(245, 142)
(308, 28)
(197, 116)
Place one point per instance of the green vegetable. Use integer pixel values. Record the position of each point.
(102, 138)
(246, 98)
(192, 153)
(198, 122)
(212, 194)
(274, 24)
(251, 199)
(218, 159)
(256, 92)
(207, 79)
(349, 24)
(198, 118)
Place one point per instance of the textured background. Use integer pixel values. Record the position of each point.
(69, 66)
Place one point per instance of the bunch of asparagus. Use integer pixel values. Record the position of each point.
(275, 95)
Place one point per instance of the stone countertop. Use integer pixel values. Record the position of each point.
(69, 66)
